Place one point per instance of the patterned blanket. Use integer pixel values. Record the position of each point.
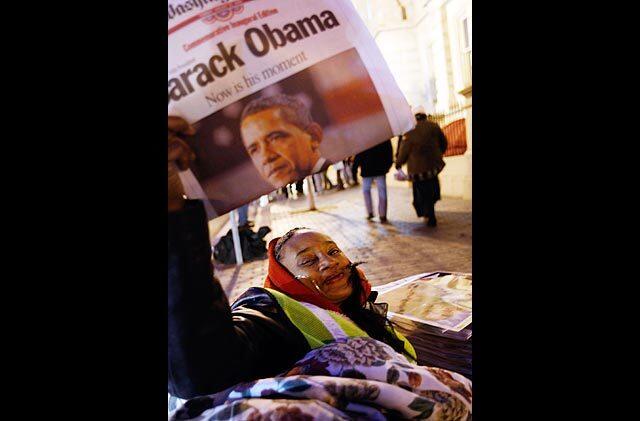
(352, 378)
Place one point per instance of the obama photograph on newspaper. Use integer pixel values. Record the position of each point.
(288, 130)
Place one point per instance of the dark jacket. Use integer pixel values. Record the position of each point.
(422, 148)
(210, 345)
(375, 161)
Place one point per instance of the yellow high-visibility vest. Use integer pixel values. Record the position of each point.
(320, 327)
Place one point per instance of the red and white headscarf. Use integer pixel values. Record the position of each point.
(280, 279)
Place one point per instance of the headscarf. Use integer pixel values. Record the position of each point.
(280, 279)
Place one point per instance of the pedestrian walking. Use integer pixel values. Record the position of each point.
(318, 183)
(339, 166)
(374, 164)
(299, 187)
(352, 179)
(422, 149)
(328, 185)
(283, 193)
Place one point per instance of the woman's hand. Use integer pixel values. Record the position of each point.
(180, 156)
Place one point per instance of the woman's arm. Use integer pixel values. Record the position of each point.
(209, 347)
(199, 318)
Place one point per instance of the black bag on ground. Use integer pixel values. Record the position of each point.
(252, 244)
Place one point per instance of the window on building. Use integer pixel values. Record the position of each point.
(465, 33)
(465, 41)
(432, 86)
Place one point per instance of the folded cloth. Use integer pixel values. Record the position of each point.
(352, 378)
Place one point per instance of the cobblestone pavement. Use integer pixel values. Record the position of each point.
(404, 247)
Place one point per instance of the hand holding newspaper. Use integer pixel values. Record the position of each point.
(179, 158)
(276, 90)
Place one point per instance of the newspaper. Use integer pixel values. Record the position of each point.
(441, 301)
(277, 90)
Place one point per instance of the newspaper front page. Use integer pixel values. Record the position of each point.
(441, 301)
(277, 90)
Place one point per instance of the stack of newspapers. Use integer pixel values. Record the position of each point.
(433, 310)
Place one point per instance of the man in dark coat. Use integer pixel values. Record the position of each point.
(375, 164)
(422, 149)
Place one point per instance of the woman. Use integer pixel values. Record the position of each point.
(313, 296)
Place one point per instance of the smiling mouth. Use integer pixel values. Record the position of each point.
(332, 279)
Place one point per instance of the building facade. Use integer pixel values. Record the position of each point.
(428, 47)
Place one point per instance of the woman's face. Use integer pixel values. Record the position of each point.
(316, 261)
